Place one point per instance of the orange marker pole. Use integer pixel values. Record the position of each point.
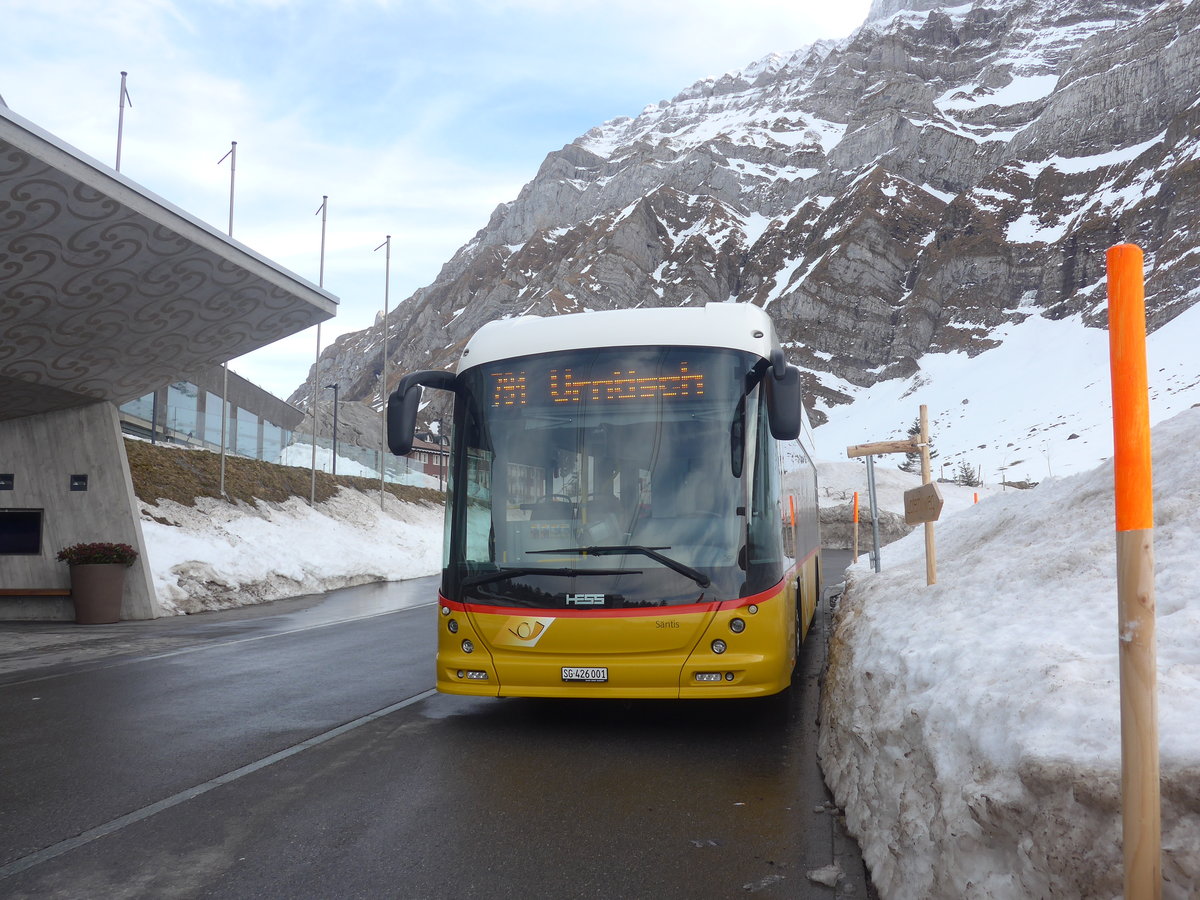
(855, 526)
(977, 496)
(1141, 822)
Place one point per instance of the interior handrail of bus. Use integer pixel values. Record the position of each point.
(517, 571)
(652, 552)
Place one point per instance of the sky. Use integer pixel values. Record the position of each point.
(415, 117)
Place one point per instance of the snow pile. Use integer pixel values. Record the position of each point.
(970, 729)
(217, 555)
(838, 481)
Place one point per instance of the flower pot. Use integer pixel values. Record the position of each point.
(96, 591)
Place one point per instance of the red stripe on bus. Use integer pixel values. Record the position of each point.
(687, 609)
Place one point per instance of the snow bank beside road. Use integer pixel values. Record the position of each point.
(217, 555)
(971, 729)
(837, 483)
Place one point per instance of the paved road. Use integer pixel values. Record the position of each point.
(294, 754)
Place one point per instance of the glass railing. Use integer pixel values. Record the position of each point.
(362, 462)
(179, 427)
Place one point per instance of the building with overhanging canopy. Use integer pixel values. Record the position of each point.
(107, 293)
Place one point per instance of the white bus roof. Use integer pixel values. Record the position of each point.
(738, 326)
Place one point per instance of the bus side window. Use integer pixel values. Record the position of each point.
(765, 545)
(478, 506)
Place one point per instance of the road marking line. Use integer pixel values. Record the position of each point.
(93, 834)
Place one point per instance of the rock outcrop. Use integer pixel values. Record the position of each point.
(945, 170)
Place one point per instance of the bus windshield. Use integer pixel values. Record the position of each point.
(603, 478)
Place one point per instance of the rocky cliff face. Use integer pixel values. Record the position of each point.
(945, 170)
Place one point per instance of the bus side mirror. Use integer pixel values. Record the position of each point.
(405, 401)
(785, 397)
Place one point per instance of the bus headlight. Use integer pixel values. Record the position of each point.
(468, 646)
(737, 626)
(718, 646)
(453, 626)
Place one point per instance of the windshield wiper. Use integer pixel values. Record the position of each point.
(673, 564)
(517, 571)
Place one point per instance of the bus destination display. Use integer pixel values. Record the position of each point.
(560, 385)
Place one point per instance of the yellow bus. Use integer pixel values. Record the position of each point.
(631, 508)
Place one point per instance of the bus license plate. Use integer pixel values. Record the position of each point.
(581, 673)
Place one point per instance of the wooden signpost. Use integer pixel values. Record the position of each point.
(926, 500)
(930, 549)
(878, 447)
(923, 504)
(869, 451)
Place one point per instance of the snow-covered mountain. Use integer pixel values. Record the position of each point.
(923, 208)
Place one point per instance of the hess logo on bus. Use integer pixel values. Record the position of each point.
(585, 599)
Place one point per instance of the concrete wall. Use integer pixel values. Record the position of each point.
(42, 452)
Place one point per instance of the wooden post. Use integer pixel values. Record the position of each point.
(1141, 824)
(855, 526)
(930, 549)
(878, 447)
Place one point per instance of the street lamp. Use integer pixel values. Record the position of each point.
(334, 387)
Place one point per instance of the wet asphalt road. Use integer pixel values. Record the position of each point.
(299, 755)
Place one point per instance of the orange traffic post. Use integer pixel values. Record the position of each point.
(855, 539)
(1141, 823)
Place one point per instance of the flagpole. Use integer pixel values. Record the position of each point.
(232, 157)
(316, 382)
(387, 279)
(121, 117)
